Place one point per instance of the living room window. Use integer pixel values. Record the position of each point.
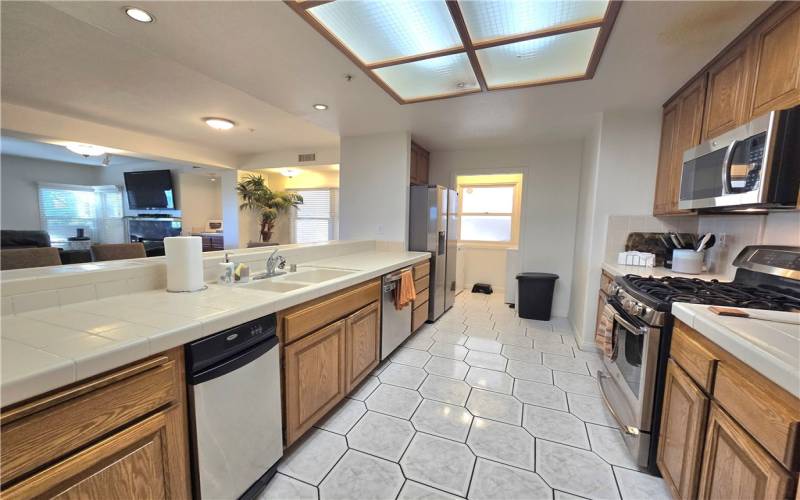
(489, 208)
(97, 210)
(315, 220)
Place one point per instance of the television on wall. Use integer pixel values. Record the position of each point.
(150, 189)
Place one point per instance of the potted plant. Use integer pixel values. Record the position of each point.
(269, 204)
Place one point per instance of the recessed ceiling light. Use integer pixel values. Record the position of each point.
(138, 14)
(86, 150)
(219, 123)
(320, 107)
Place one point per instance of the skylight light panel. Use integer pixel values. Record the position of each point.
(488, 20)
(538, 60)
(382, 30)
(439, 76)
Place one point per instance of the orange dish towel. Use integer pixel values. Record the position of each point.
(404, 291)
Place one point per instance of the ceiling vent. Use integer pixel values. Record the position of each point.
(307, 157)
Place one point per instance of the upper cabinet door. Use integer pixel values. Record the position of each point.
(777, 53)
(661, 205)
(728, 89)
(687, 135)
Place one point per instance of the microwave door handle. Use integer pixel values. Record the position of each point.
(726, 168)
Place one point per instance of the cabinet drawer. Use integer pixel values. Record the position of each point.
(61, 424)
(306, 318)
(419, 316)
(699, 362)
(421, 270)
(422, 298)
(766, 411)
(422, 284)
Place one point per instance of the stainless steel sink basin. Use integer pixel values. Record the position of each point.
(275, 286)
(315, 275)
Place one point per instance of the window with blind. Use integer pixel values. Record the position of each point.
(489, 208)
(95, 209)
(315, 220)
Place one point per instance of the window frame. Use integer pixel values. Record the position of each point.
(332, 219)
(515, 213)
(96, 224)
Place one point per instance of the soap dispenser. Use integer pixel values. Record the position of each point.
(226, 276)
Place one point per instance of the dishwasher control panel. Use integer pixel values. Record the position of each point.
(207, 351)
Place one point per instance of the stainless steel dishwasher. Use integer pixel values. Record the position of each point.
(235, 410)
(395, 325)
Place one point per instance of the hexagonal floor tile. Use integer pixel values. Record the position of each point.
(450, 351)
(529, 371)
(500, 442)
(491, 481)
(416, 491)
(358, 475)
(442, 419)
(421, 343)
(363, 391)
(552, 347)
(438, 462)
(486, 360)
(444, 367)
(495, 406)
(483, 333)
(490, 380)
(411, 357)
(633, 485)
(381, 435)
(576, 384)
(517, 340)
(344, 417)
(281, 487)
(393, 400)
(575, 471)
(483, 344)
(565, 364)
(314, 456)
(610, 445)
(445, 389)
(555, 425)
(539, 394)
(522, 354)
(590, 409)
(409, 377)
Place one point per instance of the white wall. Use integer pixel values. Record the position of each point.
(373, 187)
(20, 177)
(618, 179)
(200, 200)
(549, 206)
(288, 158)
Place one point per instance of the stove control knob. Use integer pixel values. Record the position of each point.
(613, 288)
(637, 309)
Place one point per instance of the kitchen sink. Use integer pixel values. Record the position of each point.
(275, 286)
(316, 275)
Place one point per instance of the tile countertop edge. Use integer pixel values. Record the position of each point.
(779, 371)
(15, 388)
(657, 272)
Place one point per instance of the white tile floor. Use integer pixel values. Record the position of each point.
(479, 405)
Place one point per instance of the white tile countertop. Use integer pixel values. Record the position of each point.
(48, 348)
(770, 348)
(657, 272)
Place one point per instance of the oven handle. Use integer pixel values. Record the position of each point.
(636, 330)
(627, 429)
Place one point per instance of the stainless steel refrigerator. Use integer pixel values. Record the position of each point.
(433, 224)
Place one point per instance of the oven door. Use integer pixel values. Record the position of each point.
(628, 386)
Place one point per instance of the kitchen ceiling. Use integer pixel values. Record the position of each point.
(262, 66)
(421, 51)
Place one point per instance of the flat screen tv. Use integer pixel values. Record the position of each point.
(150, 189)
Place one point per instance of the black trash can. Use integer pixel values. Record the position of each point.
(535, 295)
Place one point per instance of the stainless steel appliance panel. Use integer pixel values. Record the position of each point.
(428, 233)
(395, 325)
(451, 251)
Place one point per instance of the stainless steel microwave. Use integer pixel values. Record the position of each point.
(755, 166)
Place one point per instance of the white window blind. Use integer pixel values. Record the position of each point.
(487, 212)
(96, 209)
(315, 220)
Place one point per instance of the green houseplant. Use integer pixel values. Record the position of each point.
(268, 204)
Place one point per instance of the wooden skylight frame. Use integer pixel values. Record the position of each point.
(470, 48)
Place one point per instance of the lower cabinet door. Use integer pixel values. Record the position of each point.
(363, 343)
(132, 463)
(314, 378)
(735, 466)
(683, 420)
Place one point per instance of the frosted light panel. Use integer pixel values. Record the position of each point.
(538, 60)
(502, 18)
(430, 77)
(490, 199)
(485, 228)
(379, 30)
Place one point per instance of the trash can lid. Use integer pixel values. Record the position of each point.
(537, 276)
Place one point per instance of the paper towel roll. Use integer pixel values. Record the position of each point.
(184, 263)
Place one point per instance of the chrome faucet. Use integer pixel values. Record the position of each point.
(274, 262)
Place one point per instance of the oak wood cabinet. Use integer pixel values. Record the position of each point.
(122, 434)
(683, 422)
(726, 430)
(420, 165)
(735, 466)
(329, 345)
(757, 73)
(363, 348)
(422, 281)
